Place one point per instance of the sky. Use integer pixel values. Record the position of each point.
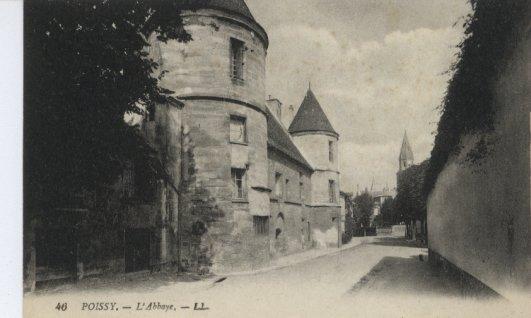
(378, 67)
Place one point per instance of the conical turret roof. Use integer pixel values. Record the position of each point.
(406, 153)
(310, 117)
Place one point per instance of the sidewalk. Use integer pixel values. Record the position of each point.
(293, 259)
(145, 281)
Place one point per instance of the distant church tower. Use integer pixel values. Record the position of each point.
(406, 158)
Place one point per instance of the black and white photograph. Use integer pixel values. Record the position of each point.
(275, 158)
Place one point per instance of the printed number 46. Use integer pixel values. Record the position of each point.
(61, 307)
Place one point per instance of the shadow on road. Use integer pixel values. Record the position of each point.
(396, 241)
(414, 276)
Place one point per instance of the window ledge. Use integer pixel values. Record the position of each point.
(237, 81)
(239, 143)
(293, 202)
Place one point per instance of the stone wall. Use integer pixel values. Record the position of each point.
(289, 211)
(202, 67)
(479, 217)
(325, 222)
(315, 148)
(200, 74)
(234, 245)
(310, 142)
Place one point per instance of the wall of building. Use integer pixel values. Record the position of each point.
(342, 213)
(479, 217)
(325, 225)
(199, 72)
(320, 187)
(309, 142)
(202, 67)
(315, 148)
(289, 209)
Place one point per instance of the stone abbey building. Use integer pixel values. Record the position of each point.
(273, 190)
(243, 188)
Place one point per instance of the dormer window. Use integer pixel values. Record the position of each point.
(237, 49)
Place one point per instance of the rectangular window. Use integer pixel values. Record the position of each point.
(332, 191)
(286, 190)
(301, 186)
(331, 151)
(261, 225)
(278, 185)
(238, 129)
(238, 183)
(237, 49)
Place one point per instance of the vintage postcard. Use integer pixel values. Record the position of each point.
(301, 158)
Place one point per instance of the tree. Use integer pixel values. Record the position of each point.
(469, 105)
(388, 212)
(363, 209)
(86, 66)
(411, 199)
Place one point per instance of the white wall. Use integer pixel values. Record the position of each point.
(479, 218)
(315, 149)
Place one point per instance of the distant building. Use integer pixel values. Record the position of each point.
(406, 158)
(380, 196)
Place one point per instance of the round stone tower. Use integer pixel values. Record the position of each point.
(220, 78)
(314, 135)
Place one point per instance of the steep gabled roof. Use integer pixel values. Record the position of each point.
(234, 6)
(406, 153)
(279, 139)
(310, 117)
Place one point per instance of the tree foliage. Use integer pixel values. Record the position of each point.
(410, 202)
(86, 66)
(363, 209)
(388, 216)
(468, 107)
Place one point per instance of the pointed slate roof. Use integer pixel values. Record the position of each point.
(406, 153)
(234, 6)
(310, 117)
(279, 139)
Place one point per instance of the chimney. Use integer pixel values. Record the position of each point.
(275, 106)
